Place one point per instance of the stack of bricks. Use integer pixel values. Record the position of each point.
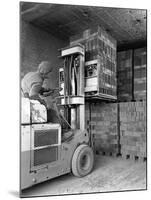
(124, 75)
(100, 46)
(133, 130)
(131, 75)
(140, 74)
(97, 42)
(104, 128)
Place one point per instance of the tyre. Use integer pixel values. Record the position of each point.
(82, 161)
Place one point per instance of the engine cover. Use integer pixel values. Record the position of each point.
(32, 111)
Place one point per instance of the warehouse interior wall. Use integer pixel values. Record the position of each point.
(38, 45)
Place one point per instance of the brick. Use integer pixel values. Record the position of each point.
(133, 129)
(106, 131)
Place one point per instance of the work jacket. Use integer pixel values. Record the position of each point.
(31, 84)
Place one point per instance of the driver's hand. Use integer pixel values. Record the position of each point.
(42, 101)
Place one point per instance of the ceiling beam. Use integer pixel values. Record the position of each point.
(132, 45)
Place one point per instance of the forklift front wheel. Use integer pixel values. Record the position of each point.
(82, 161)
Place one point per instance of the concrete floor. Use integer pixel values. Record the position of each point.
(109, 174)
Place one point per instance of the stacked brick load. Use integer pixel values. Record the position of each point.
(124, 75)
(100, 46)
(97, 42)
(133, 130)
(131, 75)
(104, 128)
(140, 74)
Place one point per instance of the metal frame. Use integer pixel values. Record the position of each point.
(93, 91)
(32, 132)
(73, 96)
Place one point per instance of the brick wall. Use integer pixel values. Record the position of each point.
(131, 74)
(133, 129)
(118, 128)
(104, 127)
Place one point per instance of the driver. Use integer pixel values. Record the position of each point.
(32, 83)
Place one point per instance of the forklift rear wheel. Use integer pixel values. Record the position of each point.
(82, 161)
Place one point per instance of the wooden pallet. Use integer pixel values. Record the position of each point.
(134, 157)
(106, 153)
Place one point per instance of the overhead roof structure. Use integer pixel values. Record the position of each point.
(127, 26)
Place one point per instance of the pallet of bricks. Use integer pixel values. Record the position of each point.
(131, 75)
(140, 74)
(104, 128)
(100, 47)
(124, 75)
(133, 130)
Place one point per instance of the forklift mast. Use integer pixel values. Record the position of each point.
(71, 80)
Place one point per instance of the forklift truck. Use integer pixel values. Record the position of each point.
(49, 150)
